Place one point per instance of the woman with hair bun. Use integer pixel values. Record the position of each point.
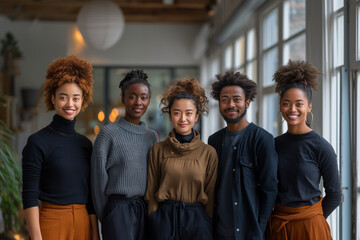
(56, 159)
(119, 164)
(182, 170)
(304, 157)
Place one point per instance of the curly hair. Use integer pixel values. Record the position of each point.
(296, 74)
(187, 88)
(132, 77)
(231, 78)
(69, 69)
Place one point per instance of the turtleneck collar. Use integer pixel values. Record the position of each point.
(131, 127)
(184, 138)
(63, 125)
(184, 147)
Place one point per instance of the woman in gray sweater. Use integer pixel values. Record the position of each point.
(119, 164)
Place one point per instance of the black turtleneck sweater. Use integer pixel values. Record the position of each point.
(56, 166)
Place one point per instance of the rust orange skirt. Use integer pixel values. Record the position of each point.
(297, 223)
(64, 222)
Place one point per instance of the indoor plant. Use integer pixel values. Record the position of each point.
(11, 53)
(10, 179)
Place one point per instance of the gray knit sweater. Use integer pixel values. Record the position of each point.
(119, 161)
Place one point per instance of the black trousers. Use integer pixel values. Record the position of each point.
(180, 221)
(124, 219)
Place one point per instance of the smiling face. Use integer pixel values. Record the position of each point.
(68, 100)
(136, 101)
(183, 116)
(233, 104)
(294, 106)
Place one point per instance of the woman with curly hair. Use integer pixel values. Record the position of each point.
(182, 170)
(304, 157)
(119, 164)
(56, 159)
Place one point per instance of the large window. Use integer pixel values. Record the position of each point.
(245, 62)
(355, 77)
(326, 33)
(357, 153)
(283, 38)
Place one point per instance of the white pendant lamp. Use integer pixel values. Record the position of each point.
(101, 23)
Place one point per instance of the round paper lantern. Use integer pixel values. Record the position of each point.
(101, 23)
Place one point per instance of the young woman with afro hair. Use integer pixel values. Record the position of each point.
(304, 158)
(56, 159)
(182, 170)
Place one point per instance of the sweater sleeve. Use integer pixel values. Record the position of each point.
(267, 178)
(99, 176)
(210, 181)
(90, 204)
(152, 182)
(33, 156)
(329, 171)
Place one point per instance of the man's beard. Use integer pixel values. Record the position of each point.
(234, 120)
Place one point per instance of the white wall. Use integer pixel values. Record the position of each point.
(140, 45)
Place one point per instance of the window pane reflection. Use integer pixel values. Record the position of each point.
(338, 4)
(251, 70)
(339, 41)
(228, 58)
(294, 17)
(295, 49)
(357, 38)
(239, 52)
(270, 110)
(251, 45)
(270, 29)
(269, 66)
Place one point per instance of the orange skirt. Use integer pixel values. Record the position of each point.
(295, 223)
(64, 222)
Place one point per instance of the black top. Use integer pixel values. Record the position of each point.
(224, 209)
(303, 159)
(56, 166)
(184, 138)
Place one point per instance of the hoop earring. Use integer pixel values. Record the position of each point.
(280, 116)
(312, 118)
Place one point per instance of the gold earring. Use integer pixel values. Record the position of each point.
(312, 118)
(280, 116)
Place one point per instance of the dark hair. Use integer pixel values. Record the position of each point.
(187, 88)
(132, 77)
(234, 79)
(296, 74)
(70, 69)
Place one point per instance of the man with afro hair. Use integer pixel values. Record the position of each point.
(247, 171)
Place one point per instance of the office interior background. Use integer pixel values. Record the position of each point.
(202, 39)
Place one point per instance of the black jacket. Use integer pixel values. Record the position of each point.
(254, 186)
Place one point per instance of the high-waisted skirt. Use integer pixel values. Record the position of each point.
(297, 223)
(64, 222)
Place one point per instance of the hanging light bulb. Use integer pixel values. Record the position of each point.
(101, 23)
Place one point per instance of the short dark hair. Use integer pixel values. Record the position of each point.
(132, 77)
(231, 78)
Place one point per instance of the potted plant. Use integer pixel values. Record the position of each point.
(11, 54)
(10, 180)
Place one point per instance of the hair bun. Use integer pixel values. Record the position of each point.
(296, 71)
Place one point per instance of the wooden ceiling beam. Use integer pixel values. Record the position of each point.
(134, 11)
